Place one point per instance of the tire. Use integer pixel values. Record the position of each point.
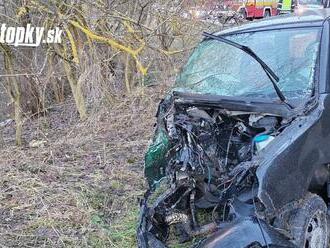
(308, 223)
(267, 14)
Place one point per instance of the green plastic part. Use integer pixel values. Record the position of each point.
(155, 161)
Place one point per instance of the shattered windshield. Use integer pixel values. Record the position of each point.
(221, 69)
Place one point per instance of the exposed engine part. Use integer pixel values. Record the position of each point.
(209, 177)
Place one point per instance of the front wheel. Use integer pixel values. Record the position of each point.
(308, 223)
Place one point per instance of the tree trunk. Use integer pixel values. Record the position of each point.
(76, 90)
(14, 90)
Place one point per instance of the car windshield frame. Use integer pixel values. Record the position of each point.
(316, 61)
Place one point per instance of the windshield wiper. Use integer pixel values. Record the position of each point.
(269, 72)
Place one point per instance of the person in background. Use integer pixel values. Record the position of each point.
(288, 6)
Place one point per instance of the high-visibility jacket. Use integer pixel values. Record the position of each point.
(286, 5)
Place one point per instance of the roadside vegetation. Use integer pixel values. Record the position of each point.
(76, 117)
(81, 186)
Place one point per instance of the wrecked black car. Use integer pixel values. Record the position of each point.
(241, 152)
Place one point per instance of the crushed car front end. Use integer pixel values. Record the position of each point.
(210, 180)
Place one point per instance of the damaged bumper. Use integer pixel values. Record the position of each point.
(245, 232)
(248, 232)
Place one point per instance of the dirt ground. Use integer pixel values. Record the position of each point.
(77, 184)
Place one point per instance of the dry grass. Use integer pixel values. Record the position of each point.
(80, 189)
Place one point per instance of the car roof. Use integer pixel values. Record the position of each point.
(308, 17)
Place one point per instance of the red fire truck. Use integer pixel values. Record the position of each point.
(251, 9)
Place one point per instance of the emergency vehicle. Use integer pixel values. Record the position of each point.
(251, 9)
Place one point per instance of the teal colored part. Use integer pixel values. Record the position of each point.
(155, 161)
(261, 138)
